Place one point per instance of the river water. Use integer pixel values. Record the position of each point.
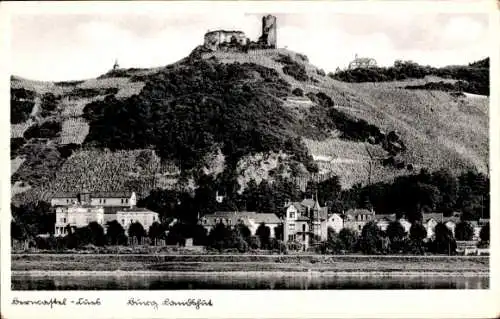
(260, 281)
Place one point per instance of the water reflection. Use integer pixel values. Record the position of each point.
(243, 282)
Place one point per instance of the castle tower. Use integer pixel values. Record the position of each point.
(269, 27)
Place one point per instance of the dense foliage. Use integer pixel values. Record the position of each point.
(16, 143)
(47, 129)
(21, 104)
(293, 68)
(41, 164)
(424, 192)
(475, 75)
(187, 111)
(49, 103)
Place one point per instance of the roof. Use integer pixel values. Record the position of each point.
(116, 209)
(244, 217)
(359, 211)
(308, 202)
(135, 210)
(453, 219)
(93, 194)
(436, 216)
(388, 217)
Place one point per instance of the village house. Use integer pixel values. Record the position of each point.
(304, 221)
(335, 222)
(75, 210)
(250, 219)
(383, 220)
(357, 218)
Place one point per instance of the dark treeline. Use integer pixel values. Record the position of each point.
(425, 192)
(475, 75)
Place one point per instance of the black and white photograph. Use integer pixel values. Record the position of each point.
(248, 150)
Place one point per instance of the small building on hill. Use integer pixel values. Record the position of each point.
(360, 62)
(250, 219)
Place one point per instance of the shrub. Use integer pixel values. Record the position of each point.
(484, 234)
(347, 238)
(15, 145)
(49, 103)
(464, 231)
(21, 104)
(48, 129)
(298, 92)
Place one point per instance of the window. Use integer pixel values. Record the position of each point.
(292, 215)
(304, 237)
(229, 222)
(64, 220)
(104, 201)
(291, 226)
(359, 227)
(126, 200)
(154, 218)
(303, 227)
(123, 221)
(290, 237)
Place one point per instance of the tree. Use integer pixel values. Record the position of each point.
(331, 233)
(348, 239)
(417, 234)
(136, 230)
(219, 237)
(464, 231)
(264, 234)
(155, 232)
(484, 234)
(278, 232)
(396, 233)
(244, 230)
(96, 234)
(443, 243)
(115, 232)
(371, 239)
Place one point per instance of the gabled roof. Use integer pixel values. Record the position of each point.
(436, 216)
(387, 217)
(110, 194)
(453, 219)
(359, 211)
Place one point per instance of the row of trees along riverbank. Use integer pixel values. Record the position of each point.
(371, 240)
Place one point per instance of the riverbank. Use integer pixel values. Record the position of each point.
(347, 264)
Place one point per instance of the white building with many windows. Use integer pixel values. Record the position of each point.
(76, 210)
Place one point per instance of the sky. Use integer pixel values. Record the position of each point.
(59, 47)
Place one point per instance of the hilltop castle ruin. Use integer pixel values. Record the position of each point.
(232, 40)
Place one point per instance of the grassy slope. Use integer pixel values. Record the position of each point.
(438, 129)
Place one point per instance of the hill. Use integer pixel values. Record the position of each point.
(237, 115)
